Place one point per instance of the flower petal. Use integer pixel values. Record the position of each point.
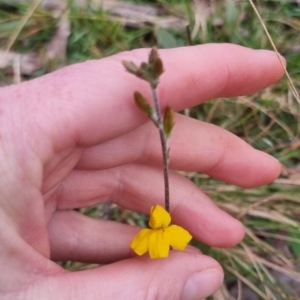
(159, 217)
(140, 242)
(159, 246)
(178, 237)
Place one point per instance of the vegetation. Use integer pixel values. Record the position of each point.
(268, 260)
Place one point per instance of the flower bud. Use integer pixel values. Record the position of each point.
(158, 68)
(153, 55)
(143, 104)
(168, 121)
(130, 66)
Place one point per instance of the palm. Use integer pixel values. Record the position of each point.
(84, 143)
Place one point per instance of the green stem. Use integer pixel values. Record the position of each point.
(164, 146)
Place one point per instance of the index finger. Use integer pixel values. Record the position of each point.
(92, 102)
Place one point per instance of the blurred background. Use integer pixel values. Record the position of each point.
(38, 37)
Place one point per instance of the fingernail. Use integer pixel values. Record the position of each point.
(270, 157)
(271, 160)
(274, 53)
(192, 249)
(265, 50)
(202, 284)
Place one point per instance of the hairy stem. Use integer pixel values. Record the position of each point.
(164, 146)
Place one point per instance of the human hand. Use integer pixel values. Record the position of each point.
(74, 138)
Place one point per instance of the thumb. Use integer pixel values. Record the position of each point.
(182, 276)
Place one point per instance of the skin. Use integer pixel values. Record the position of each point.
(74, 138)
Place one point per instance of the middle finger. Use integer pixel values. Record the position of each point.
(194, 146)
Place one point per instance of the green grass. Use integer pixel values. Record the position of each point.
(268, 121)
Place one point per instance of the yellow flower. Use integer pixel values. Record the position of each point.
(161, 236)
